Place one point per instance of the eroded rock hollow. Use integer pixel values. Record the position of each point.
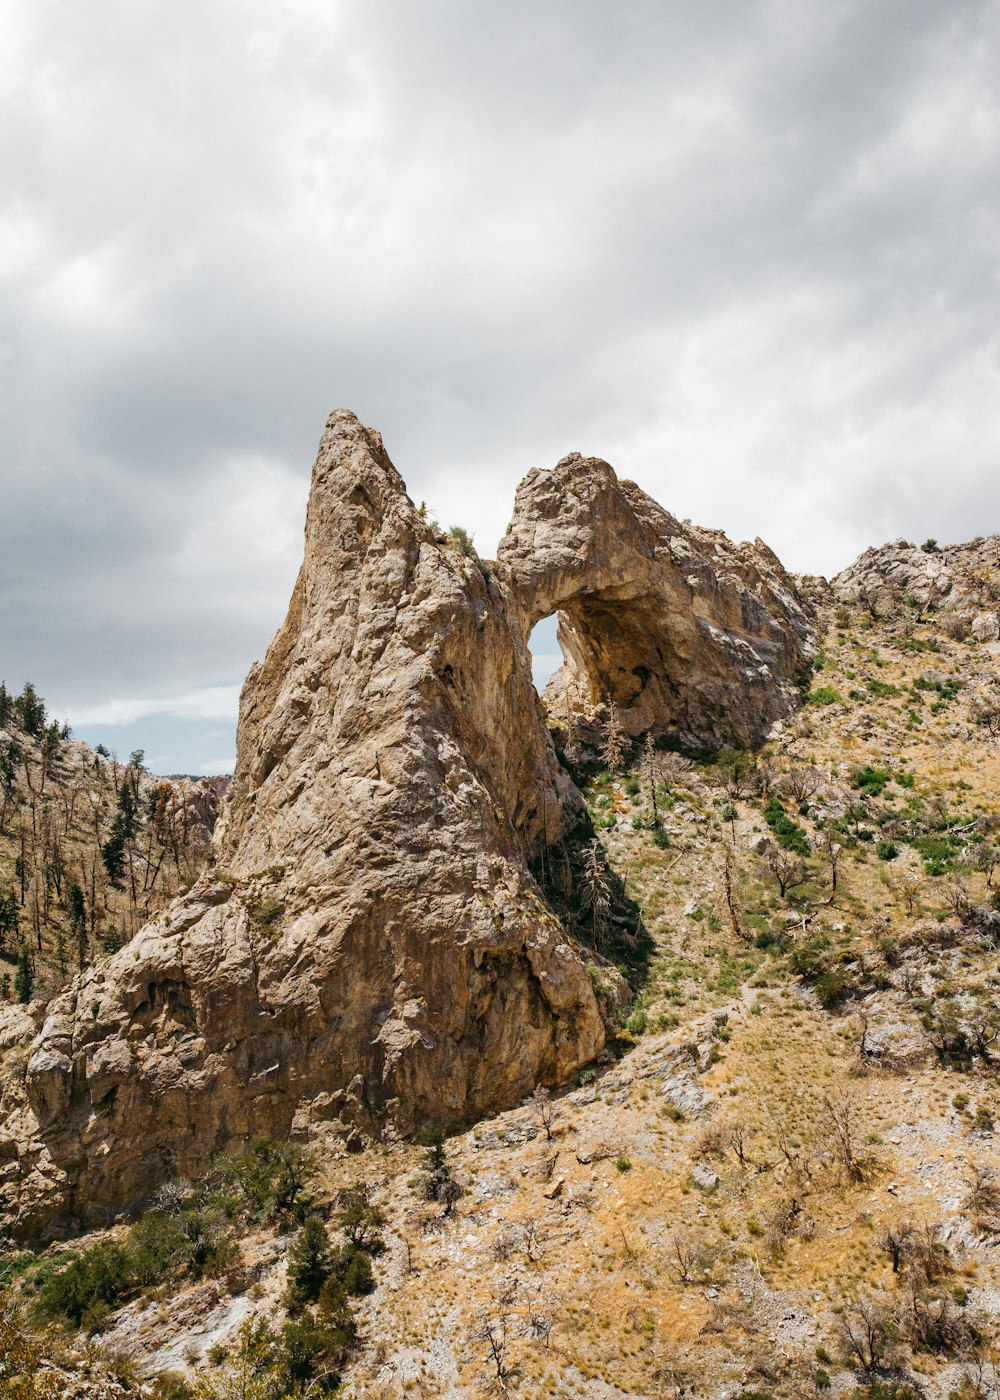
(369, 949)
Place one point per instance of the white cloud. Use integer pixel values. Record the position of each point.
(217, 767)
(212, 703)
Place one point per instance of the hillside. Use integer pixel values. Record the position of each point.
(90, 847)
(776, 1175)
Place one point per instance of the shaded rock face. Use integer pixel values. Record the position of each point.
(958, 584)
(370, 951)
(682, 629)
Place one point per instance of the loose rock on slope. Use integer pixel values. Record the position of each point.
(371, 948)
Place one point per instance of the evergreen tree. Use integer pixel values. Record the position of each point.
(8, 915)
(310, 1262)
(78, 921)
(8, 770)
(30, 710)
(24, 977)
(122, 831)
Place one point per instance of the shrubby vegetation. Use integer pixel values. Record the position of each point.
(191, 1233)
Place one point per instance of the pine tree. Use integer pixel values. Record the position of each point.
(8, 915)
(310, 1261)
(78, 921)
(30, 709)
(24, 977)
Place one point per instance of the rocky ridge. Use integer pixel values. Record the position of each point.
(370, 950)
(959, 583)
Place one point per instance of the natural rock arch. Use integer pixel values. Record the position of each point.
(680, 628)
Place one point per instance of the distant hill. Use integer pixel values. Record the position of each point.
(90, 847)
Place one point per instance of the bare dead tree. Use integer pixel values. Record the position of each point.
(842, 1117)
(650, 773)
(801, 783)
(684, 1251)
(894, 1240)
(739, 1142)
(785, 866)
(544, 1110)
(956, 895)
(832, 850)
(868, 1331)
(615, 743)
(494, 1328)
(731, 890)
(982, 1198)
(596, 896)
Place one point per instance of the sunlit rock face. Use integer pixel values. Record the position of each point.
(681, 628)
(369, 950)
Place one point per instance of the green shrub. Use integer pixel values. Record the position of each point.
(832, 987)
(885, 850)
(97, 1276)
(157, 1247)
(461, 540)
(360, 1219)
(824, 695)
(637, 1023)
(938, 852)
(788, 832)
(357, 1275)
(871, 781)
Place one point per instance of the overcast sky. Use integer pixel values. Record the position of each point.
(748, 252)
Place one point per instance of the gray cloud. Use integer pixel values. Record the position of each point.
(747, 251)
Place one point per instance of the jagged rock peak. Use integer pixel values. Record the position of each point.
(371, 949)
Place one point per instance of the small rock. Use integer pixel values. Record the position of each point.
(704, 1176)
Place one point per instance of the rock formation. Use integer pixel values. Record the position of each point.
(369, 950)
(959, 584)
(680, 628)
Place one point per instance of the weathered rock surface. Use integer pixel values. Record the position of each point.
(958, 583)
(681, 628)
(370, 948)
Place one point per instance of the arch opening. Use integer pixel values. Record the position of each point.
(546, 653)
(597, 648)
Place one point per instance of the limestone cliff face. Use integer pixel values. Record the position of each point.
(959, 584)
(369, 950)
(681, 628)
